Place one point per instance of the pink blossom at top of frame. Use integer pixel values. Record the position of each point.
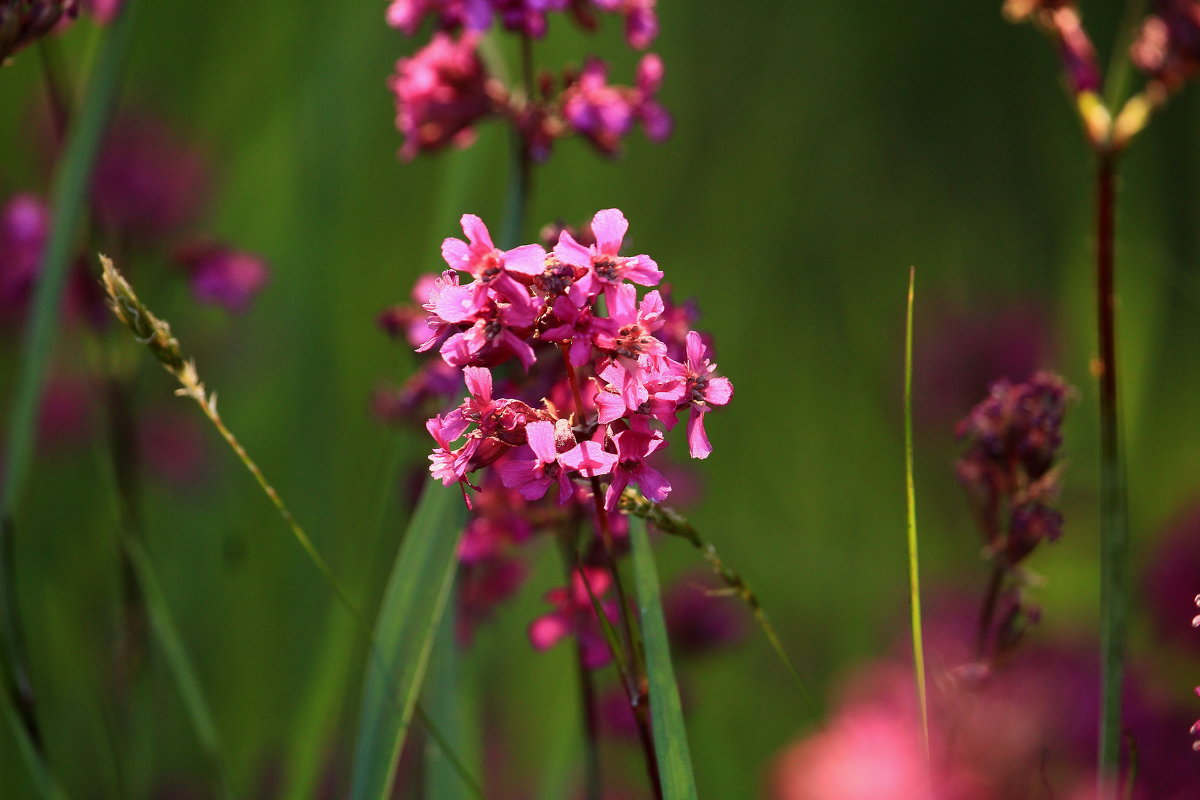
(104, 11)
(24, 227)
(473, 15)
(604, 114)
(224, 276)
(1076, 51)
(1168, 46)
(441, 91)
(147, 182)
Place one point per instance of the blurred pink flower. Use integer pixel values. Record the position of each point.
(223, 276)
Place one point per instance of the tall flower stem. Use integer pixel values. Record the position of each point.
(637, 684)
(1114, 522)
(593, 787)
(914, 579)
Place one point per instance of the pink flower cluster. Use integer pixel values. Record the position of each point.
(443, 90)
(631, 388)
(573, 383)
(1061, 19)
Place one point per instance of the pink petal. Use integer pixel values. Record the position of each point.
(547, 631)
(457, 303)
(653, 483)
(609, 407)
(479, 382)
(581, 351)
(643, 270)
(572, 252)
(477, 232)
(541, 440)
(457, 254)
(696, 351)
(609, 226)
(589, 458)
(698, 445)
(719, 391)
(528, 259)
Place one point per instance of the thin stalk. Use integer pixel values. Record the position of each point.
(914, 578)
(1114, 524)
(69, 192)
(988, 610)
(636, 683)
(593, 788)
(156, 335)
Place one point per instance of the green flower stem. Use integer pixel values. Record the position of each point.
(914, 576)
(1114, 519)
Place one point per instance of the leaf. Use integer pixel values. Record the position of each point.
(666, 713)
(178, 662)
(412, 607)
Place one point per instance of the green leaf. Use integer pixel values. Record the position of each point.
(666, 713)
(413, 604)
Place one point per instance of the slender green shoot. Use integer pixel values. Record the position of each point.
(914, 572)
(669, 732)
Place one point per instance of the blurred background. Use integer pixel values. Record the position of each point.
(819, 150)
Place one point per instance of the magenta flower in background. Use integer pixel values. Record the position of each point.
(1167, 48)
(24, 227)
(23, 21)
(960, 352)
(441, 92)
(605, 114)
(574, 614)
(700, 619)
(147, 183)
(103, 11)
(223, 276)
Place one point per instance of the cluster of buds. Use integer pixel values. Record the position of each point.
(1166, 50)
(603, 375)
(1013, 441)
(443, 90)
(24, 21)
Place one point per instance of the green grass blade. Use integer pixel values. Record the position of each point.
(666, 713)
(69, 197)
(447, 702)
(914, 575)
(42, 780)
(178, 662)
(412, 607)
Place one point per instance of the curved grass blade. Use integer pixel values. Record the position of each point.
(413, 604)
(178, 661)
(41, 777)
(666, 713)
(914, 573)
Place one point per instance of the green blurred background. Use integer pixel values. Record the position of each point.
(820, 148)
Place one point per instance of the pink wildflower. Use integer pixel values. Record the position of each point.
(605, 266)
(474, 15)
(604, 114)
(223, 276)
(574, 613)
(24, 227)
(533, 478)
(495, 270)
(633, 446)
(704, 390)
(147, 182)
(441, 92)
